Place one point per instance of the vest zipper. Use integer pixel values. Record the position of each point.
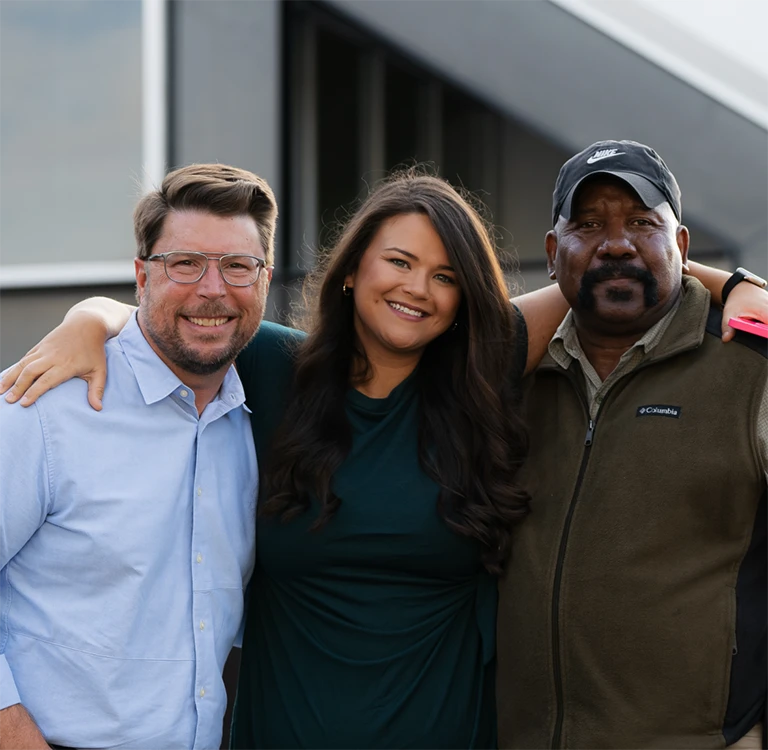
(556, 592)
(590, 434)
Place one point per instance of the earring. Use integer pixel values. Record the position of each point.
(346, 290)
(455, 324)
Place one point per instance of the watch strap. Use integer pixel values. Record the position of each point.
(736, 278)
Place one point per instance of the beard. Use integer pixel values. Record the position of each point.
(165, 335)
(614, 270)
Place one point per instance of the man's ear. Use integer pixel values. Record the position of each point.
(140, 269)
(683, 242)
(550, 245)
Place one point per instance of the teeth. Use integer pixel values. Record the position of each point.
(208, 322)
(406, 310)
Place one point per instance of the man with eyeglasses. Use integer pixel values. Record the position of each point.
(128, 536)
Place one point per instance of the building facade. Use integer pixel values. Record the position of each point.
(98, 99)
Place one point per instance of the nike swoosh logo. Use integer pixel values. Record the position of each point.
(600, 157)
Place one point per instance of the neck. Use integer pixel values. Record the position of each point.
(604, 352)
(384, 375)
(205, 387)
(604, 344)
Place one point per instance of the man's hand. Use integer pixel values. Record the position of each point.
(18, 731)
(75, 348)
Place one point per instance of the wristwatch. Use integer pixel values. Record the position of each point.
(741, 274)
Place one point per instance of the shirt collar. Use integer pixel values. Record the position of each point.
(156, 380)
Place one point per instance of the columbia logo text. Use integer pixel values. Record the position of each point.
(659, 410)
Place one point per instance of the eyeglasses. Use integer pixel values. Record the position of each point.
(188, 267)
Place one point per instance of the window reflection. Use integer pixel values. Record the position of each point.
(70, 119)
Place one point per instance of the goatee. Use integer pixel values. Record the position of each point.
(617, 270)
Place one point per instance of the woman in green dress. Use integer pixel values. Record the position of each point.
(390, 491)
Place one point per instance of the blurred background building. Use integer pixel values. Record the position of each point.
(98, 98)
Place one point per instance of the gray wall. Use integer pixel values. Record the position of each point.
(26, 316)
(225, 85)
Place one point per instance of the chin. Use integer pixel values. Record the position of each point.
(404, 346)
(208, 355)
(619, 314)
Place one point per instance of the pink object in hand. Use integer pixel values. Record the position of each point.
(750, 326)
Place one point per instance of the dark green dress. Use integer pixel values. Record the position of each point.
(377, 631)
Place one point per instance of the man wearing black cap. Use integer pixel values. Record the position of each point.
(633, 610)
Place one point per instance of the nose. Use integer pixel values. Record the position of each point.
(616, 245)
(212, 285)
(417, 284)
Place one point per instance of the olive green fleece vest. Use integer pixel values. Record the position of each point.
(617, 613)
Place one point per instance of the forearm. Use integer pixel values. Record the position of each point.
(543, 311)
(113, 315)
(712, 278)
(18, 730)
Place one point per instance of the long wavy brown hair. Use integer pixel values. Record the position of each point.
(471, 438)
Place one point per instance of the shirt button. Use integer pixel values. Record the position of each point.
(202, 625)
(202, 692)
(199, 491)
(183, 393)
(199, 557)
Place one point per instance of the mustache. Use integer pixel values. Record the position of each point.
(617, 270)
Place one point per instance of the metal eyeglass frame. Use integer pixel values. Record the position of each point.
(163, 256)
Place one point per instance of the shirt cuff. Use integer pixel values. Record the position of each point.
(9, 695)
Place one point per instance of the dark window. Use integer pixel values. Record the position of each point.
(338, 128)
(404, 120)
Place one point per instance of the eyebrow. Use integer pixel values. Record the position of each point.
(415, 257)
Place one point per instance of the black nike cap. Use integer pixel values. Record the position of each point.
(638, 165)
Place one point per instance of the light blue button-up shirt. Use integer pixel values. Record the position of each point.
(126, 541)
